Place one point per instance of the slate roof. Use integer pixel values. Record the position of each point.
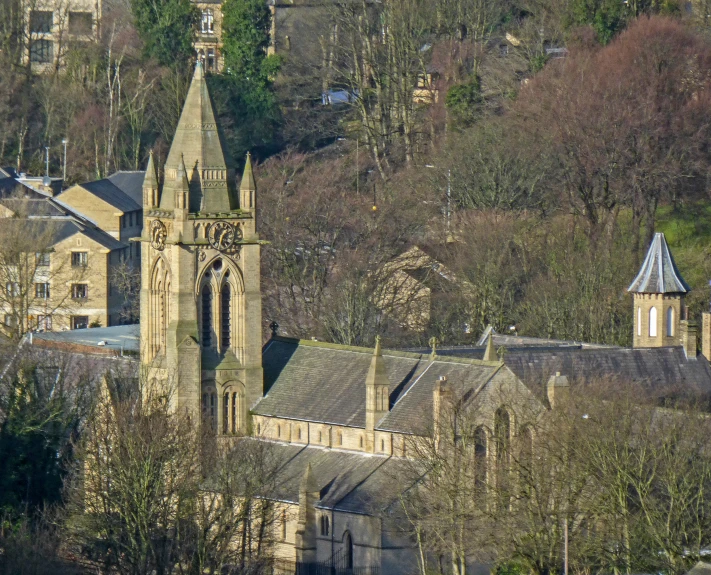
(321, 382)
(107, 191)
(130, 183)
(659, 369)
(62, 228)
(119, 338)
(33, 207)
(347, 481)
(659, 273)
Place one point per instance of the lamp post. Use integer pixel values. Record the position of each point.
(64, 161)
(46, 160)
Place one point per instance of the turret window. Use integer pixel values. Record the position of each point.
(653, 322)
(670, 322)
(639, 321)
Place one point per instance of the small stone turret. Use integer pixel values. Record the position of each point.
(309, 495)
(441, 399)
(248, 187)
(377, 395)
(658, 292)
(150, 184)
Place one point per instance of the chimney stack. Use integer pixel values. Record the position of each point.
(706, 335)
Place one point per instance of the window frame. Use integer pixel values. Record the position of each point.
(78, 261)
(78, 289)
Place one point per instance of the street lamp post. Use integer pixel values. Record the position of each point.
(64, 161)
(46, 161)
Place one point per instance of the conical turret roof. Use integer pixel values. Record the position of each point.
(198, 139)
(308, 482)
(248, 183)
(151, 178)
(659, 273)
(376, 373)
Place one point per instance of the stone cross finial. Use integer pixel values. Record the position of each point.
(433, 344)
(274, 326)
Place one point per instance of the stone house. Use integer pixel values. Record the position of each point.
(84, 235)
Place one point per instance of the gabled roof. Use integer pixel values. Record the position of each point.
(107, 191)
(660, 370)
(61, 229)
(130, 183)
(346, 481)
(659, 273)
(315, 381)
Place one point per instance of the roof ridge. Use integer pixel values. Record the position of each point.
(343, 347)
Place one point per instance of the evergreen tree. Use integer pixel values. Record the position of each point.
(243, 94)
(167, 28)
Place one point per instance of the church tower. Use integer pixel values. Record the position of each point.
(201, 308)
(658, 293)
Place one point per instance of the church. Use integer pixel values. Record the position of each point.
(343, 418)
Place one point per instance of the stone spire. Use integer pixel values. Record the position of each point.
(377, 395)
(247, 187)
(182, 192)
(150, 184)
(198, 140)
(659, 273)
(490, 352)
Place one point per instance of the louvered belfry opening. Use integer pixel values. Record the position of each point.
(226, 316)
(206, 316)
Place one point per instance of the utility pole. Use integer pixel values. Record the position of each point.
(449, 206)
(64, 168)
(565, 546)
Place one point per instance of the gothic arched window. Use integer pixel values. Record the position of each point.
(639, 321)
(226, 317)
(206, 315)
(502, 435)
(348, 550)
(670, 321)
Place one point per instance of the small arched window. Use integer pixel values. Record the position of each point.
(278, 430)
(670, 321)
(340, 438)
(325, 525)
(298, 433)
(639, 321)
(320, 437)
(361, 441)
(382, 445)
(653, 322)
